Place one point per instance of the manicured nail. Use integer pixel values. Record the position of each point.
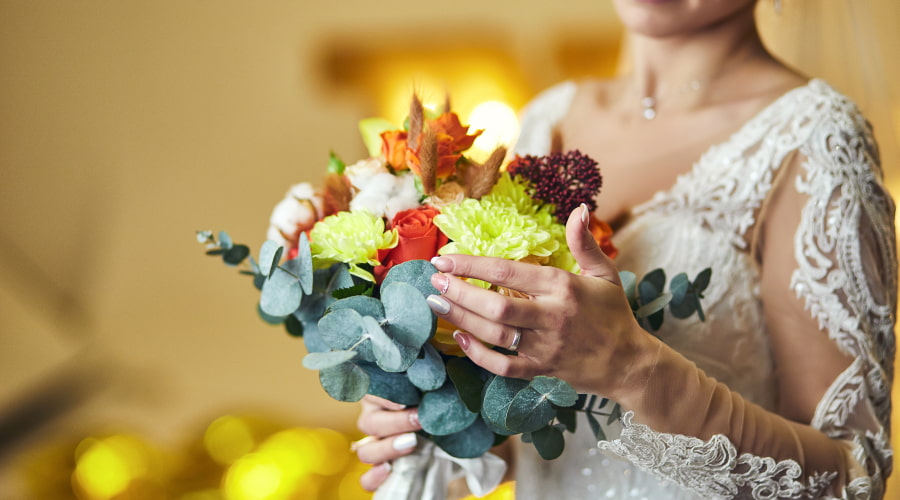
(461, 339)
(404, 441)
(442, 264)
(362, 442)
(387, 466)
(414, 419)
(585, 217)
(441, 282)
(438, 304)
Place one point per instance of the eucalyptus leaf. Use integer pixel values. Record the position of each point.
(268, 318)
(312, 340)
(306, 267)
(269, 257)
(654, 306)
(389, 354)
(549, 442)
(471, 442)
(323, 360)
(394, 387)
(468, 379)
(554, 390)
(410, 320)
(414, 272)
(343, 329)
(236, 254)
(679, 287)
(293, 326)
(216, 251)
(442, 412)
(615, 414)
(365, 306)
(702, 280)
(345, 382)
(568, 417)
(629, 284)
(428, 372)
(225, 240)
(281, 294)
(498, 395)
(596, 428)
(528, 411)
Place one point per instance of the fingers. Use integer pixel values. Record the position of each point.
(520, 276)
(374, 420)
(377, 451)
(374, 477)
(587, 253)
(491, 360)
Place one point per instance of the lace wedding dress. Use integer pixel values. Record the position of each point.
(845, 274)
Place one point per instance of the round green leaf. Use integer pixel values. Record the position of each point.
(343, 329)
(654, 306)
(441, 412)
(268, 318)
(390, 355)
(394, 387)
(549, 442)
(414, 272)
(629, 282)
(345, 382)
(410, 320)
(554, 390)
(498, 395)
(323, 360)
(236, 254)
(269, 257)
(428, 372)
(471, 442)
(306, 267)
(225, 240)
(280, 294)
(702, 279)
(529, 411)
(365, 306)
(679, 287)
(469, 381)
(293, 326)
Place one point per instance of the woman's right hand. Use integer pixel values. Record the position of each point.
(390, 429)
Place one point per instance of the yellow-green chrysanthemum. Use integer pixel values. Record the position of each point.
(493, 230)
(350, 237)
(510, 191)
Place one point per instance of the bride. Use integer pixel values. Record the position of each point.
(714, 154)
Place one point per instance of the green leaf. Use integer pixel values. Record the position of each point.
(306, 267)
(365, 306)
(414, 272)
(554, 390)
(654, 306)
(702, 280)
(615, 414)
(371, 129)
(442, 412)
(679, 287)
(468, 379)
(629, 284)
(410, 320)
(268, 318)
(236, 254)
(595, 427)
(471, 442)
(323, 360)
(498, 395)
(394, 387)
(216, 251)
(281, 294)
(335, 164)
(529, 411)
(293, 326)
(225, 241)
(390, 356)
(269, 257)
(428, 372)
(568, 417)
(342, 329)
(549, 442)
(650, 287)
(345, 382)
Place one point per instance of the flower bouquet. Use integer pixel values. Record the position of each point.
(346, 267)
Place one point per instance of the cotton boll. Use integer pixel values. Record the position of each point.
(298, 211)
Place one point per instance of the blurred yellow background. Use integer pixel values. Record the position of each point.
(127, 125)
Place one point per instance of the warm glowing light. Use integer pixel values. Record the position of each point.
(500, 125)
(105, 468)
(228, 438)
(253, 477)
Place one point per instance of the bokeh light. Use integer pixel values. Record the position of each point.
(499, 123)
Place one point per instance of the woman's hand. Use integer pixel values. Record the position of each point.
(390, 429)
(579, 328)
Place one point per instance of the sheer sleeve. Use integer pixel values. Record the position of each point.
(828, 285)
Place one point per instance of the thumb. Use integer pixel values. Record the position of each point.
(587, 253)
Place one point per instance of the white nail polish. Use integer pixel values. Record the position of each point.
(405, 441)
(584, 215)
(438, 304)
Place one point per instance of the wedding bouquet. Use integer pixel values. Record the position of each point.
(346, 267)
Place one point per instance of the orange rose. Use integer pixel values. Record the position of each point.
(449, 124)
(603, 235)
(418, 238)
(393, 147)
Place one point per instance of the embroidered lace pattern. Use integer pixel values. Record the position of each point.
(846, 275)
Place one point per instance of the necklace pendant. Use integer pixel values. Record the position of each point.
(649, 108)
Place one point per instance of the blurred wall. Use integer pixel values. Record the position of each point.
(127, 125)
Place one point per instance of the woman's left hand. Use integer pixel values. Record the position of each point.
(579, 328)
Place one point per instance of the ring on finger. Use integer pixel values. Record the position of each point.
(517, 337)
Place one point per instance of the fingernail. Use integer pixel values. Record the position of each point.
(414, 419)
(441, 282)
(362, 442)
(442, 264)
(585, 217)
(404, 441)
(461, 339)
(387, 466)
(438, 304)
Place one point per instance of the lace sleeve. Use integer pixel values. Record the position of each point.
(540, 117)
(844, 273)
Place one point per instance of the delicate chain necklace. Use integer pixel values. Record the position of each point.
(648, 103)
